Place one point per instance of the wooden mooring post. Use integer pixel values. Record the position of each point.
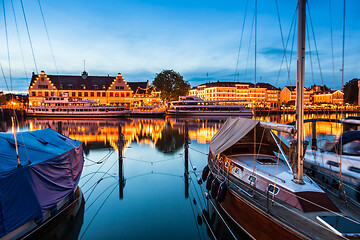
(186, 164)
(313, 139)
(59, 127)
(121, 166)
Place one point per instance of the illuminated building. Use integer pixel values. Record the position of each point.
(333, 97)
(288, 93)
(107, 90)
(249, 93)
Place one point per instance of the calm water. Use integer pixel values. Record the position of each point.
(150, 197)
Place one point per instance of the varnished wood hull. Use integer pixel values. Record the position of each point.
(254, 221)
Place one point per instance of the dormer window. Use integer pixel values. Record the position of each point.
(70, 86)
(96, 87)
(103, 87)
(61, 86)
(83, 86)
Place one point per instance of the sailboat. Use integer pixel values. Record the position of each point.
(39, 174)
(259, 182)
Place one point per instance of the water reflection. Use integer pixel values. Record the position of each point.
(142, 189)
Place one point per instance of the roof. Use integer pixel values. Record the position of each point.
(75, 82)
(139, 87)
(233, 84)
(291, 88)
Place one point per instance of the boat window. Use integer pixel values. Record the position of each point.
(252, 179)
(354, 169)
(332, 163)
(266, 161)
(352, 147)
(272, 189)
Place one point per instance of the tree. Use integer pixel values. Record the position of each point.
(351, 91)
(171, 84)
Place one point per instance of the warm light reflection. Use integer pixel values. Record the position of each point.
(104, 133)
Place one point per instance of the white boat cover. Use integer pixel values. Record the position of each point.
(231, 132)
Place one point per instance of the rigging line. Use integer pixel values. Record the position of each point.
(98, 196)
(96, 171)
(292, 44)
(255, 36)
(193, 212)
(311, 63)
(28, 33)
(343, 50)
(332, 44)
(48, 37)
(198, 151)
(7, 47)
(18, 34)
(241, 38)
(285, 47)
(282, 38)
(248, 55)
(102, 178)
(316, 48)
(98, 211)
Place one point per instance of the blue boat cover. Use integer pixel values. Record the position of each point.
(51, 165)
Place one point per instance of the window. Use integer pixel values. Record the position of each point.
(86, 94)
(117, 94)
(73, 94)
(252, 179)
(103, 94)
(46, 94)
(103, 87)
(122, 94)
(33, 94)
(272, 189)
(79, 94)
(128, 94)
(354, 169)
(119, 87)
(111, 94)
(92, 94)
(98, 94)
(332, 163)
(83, 86)
(70, 86)
(43, 86)
(96, 87)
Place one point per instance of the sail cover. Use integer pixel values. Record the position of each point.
(51, 165)
(232, 131)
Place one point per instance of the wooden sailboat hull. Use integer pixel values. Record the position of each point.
(254, 221)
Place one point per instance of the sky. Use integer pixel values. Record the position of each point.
(204, 41)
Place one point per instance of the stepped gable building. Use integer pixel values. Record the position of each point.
(249, 93)
(107, 90)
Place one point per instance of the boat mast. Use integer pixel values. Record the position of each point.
(298, 173)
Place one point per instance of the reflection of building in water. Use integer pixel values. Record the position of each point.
(104, 133)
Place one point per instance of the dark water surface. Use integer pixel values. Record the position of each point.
(150, 196)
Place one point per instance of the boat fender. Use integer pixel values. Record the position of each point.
(214, 188)
(222, 192)
(209, 180)
(199, 180)
(205, 173)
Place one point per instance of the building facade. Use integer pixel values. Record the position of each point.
(288, 93)
(331, 97)
(106, 90)
(250, 94)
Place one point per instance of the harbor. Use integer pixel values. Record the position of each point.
(179, 120)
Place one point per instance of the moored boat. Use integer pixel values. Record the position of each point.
(195, 106)
(54, 106)
(148, 111)
(39, 174)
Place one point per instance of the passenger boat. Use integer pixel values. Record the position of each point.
(259, 182)
(39, 174)
(148, 111)
(195, 106)
(54, 106)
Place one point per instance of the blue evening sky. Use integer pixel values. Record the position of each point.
(199, 39)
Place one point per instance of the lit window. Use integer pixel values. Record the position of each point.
(272, 189)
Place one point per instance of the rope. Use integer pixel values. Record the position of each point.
(242, 33)
(7, 47)
(28, 33)
(18, 34)
(332, 44)
(198, 151)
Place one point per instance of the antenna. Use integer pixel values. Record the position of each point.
(84, 65)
